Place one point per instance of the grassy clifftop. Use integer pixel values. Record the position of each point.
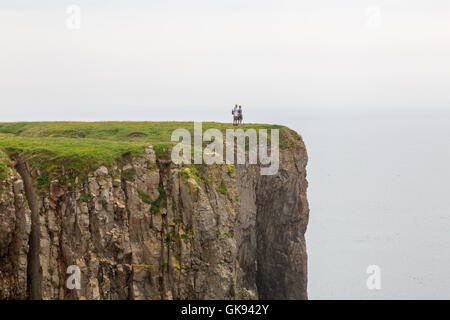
(83, 146)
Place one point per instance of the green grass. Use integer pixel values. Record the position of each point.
(84, 197)
(144, 197)
(43, 179)
(83, 146)
(184, 236)
(129, 174)
(223, 188)
(4, 163)
(82, 155)
(157, 203)
(3, 172)
(190, 172)
(148, 132)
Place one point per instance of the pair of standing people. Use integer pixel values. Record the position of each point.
(237, 115)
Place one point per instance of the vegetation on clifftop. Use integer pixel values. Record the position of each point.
(4, 162)
(83, 146)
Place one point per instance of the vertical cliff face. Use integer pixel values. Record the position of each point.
(148, 229)
(15, 230)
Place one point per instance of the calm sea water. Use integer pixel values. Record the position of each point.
(379, 195)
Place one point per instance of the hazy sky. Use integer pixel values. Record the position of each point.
(377, 184)
(132, 60)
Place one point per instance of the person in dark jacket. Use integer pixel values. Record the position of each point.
(240, 115)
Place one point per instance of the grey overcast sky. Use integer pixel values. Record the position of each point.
(378, 185)
(135, 57)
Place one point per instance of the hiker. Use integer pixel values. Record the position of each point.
(240, 115)
(234, 112)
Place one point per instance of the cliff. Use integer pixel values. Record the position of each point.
(141, 227)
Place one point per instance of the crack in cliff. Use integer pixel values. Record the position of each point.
(127, 210)
(34, 276)
(60, 257)
(164, 270)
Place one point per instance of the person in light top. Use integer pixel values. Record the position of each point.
(234, 112)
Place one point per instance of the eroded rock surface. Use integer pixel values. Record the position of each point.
(148, 229)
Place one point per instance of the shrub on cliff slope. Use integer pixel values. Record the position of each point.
(3, 171)
(3, 166)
